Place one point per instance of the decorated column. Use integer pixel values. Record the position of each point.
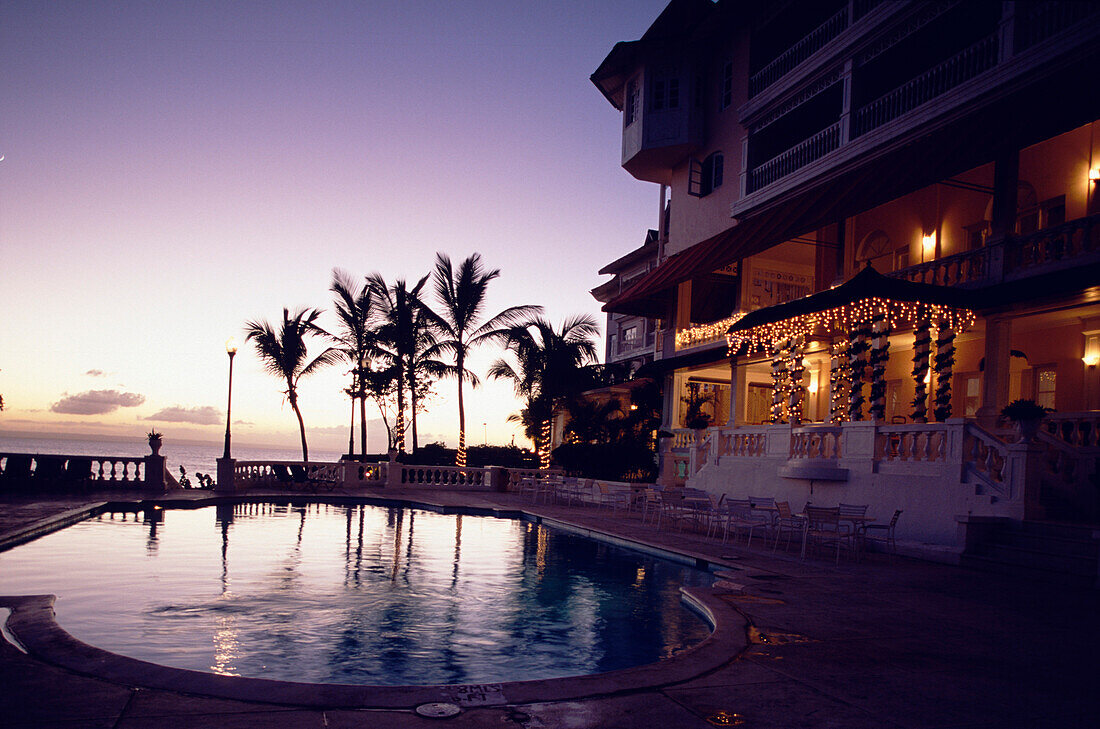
(944, 361)
(796, 393)
(922, 351)
(880, 353)
(857, 361)
(839, 377)
(779, 378)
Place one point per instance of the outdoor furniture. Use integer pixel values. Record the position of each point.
(48, 471)
(78, 472)
(613, 498)
(697, 507)
(787, 522)
(652, 503)
(738, 515)
(823, 528)
(528, 487)
(883, 533)
(17, 471)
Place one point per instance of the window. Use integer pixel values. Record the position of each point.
(972, 394)
(612, 342)
(630, 336)
(666, 94)
(1045, 378)
(726, 92)
(1053, 211)
(705, 177)
(631, 109)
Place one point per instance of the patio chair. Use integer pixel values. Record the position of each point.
(824, 528)
(787, 522)
(613, 498)
(738, 515)
(17, 472)
(282, 473)
(48, 471)
(78, 472)
(882, 533)
(699, 508)
(652, 504)
(528, 487)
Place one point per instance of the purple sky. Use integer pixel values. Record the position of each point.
(172, 170)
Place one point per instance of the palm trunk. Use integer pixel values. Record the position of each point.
(399, 423)
(412, 408)
(301, 426)
(461, 458)
(363, 423)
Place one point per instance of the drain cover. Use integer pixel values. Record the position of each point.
(438, 710)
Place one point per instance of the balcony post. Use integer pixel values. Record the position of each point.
(846, 101)
(995, 376)
(1006, 31)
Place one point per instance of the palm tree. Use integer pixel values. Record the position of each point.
(403, 339)
(461, 298)
(549, 367)
(354, 310)
(283, 354)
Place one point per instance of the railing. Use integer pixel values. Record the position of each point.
(1042, 20)
(1051, 246)
(94, 471)
(795, 158)
(984, 459)
(291, 474)
(816, 442)
(862, 7)
(961, 67)
(515, 475)
(743, 442)
(916, 443)
(440, 475)
(1079, 430)
(682, 438)
(957, 270)
(714, 331)
(789, 59)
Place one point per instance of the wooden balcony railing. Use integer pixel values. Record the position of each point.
(789, 59)
(795, 158)
(935, 82)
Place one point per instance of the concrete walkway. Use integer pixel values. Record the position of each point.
(877, 644)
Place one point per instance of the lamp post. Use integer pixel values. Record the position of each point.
(226, 464)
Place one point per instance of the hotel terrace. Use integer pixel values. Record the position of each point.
(878, 226)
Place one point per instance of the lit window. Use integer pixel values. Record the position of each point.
(1044, 386)
(630, 335)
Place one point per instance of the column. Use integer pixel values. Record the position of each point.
(922, 351)
(880, 353)
(944, 362)
(857, 361)
(732, 419)
(796, 393)
(995, 376)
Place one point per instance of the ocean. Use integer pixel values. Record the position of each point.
(193, 456)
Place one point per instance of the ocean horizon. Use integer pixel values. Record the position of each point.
(194, 456)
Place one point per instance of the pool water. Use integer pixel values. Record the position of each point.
(357, 594)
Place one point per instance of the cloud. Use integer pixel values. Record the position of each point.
(96, 402)
(96, 373)
(206, 415)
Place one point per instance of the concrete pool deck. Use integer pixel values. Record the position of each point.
(877, 644)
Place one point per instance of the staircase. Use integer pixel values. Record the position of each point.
(1042, 551)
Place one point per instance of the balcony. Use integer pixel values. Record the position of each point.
(787, 61)
(1063, 246)
(807, 151)
(934, 82)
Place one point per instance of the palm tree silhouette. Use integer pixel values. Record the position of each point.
(461, 297)
(404, 338)
(356, 340)
(548, 368)
(284, 355)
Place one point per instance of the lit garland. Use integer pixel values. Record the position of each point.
(922, 345)
(880, 353)
(796, 393)
(839, 377)
(544, 446)
(899, 314)
(460, 458)
(701, 333)
(779, 370)
(857, 363)
(944, 361)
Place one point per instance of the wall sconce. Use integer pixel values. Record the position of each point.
(812, 387)
(1092, 350)
(1094, 174)
(928, 244)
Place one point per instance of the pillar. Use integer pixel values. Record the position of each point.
(880, 353)
(922, 351)
(945, 363)
(995, 376)
(732, 420)
(796, 393)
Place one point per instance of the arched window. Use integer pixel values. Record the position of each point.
(705, 177)
(883, 255)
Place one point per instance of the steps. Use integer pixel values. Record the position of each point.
(1043, 551)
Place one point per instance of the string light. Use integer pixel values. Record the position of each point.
(897, 314)
(700, 333)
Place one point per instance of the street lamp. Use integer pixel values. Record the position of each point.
(226, 464)
(230, 349)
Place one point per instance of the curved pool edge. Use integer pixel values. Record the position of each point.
(33, 623)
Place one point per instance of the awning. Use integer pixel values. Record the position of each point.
(853, 302)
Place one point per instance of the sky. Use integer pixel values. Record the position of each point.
(173, 170)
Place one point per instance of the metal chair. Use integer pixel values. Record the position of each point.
(883, 533)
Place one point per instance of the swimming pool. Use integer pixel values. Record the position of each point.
(357, 594)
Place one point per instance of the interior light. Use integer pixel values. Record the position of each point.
(929, 242)
(1092, 350)
(1094, 174)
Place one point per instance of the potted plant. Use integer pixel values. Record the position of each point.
(696, 418)
(155, 440)
(1027, 414)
